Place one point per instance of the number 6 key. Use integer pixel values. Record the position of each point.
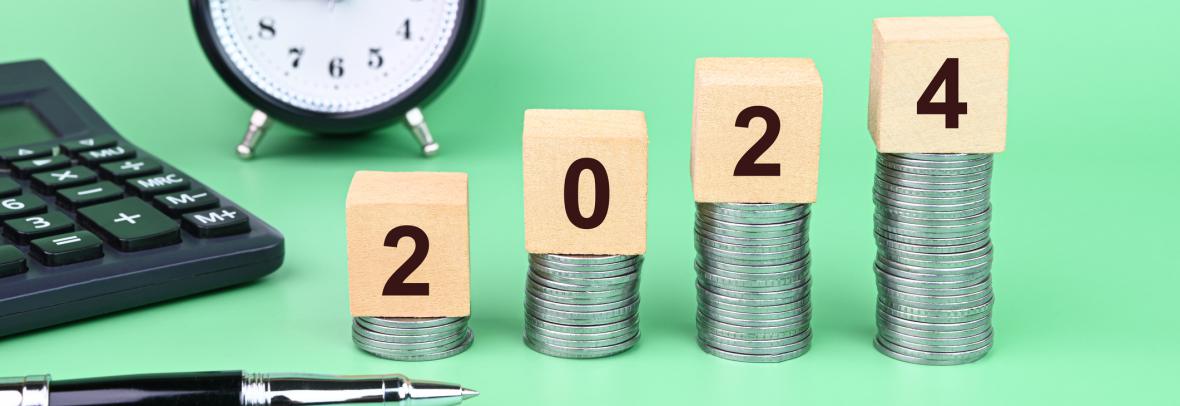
(408, 253)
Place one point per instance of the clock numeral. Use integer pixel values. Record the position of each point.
(266, 28)
(296, 54)
(375, 58)
(404, 31)
(336, 67)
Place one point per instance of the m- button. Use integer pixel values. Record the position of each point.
(130, 224)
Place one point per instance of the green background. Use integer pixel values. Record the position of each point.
(1085, 222)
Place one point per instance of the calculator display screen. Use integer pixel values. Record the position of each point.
(20, 125)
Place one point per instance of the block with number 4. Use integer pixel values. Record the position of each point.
(939, 85)
(756, 130)
(585, 182)
(408, 253)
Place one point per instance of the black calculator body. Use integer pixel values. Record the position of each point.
(92, 224)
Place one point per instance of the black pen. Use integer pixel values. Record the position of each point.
(230, 388)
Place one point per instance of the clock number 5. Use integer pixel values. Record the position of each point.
(375, 58)
(601, 193)
(396, 285)
(948, 74)
(748, 164)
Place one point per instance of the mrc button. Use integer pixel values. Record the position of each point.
(156, 184)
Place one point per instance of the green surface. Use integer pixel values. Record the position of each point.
(1086, 271)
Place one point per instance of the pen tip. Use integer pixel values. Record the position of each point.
(468, 393)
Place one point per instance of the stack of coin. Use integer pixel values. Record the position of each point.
(582, 306)
(934, 257)
(411, 338)
(753, 281)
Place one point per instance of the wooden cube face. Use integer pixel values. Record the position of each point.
(756, 130)
(408, 253)
(585, 182)
(939, 85)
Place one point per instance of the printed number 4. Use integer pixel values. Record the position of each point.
(951, 107)
(396, 285)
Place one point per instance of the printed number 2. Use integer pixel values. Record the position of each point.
(748, 165)
(951, 107)
(396, 285)
(601, 193)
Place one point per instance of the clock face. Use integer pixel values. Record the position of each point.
(334, 56)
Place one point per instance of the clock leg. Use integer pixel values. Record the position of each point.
(417, 123)
(259, 122)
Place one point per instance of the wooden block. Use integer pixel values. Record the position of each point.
(917, 63)
(755, 130)
(585, 182)
(408, 253)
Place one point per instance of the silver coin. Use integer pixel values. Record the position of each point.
(933, 334)
(932, 274)
(786, 294)
(883, 185)
(723, 219)
(624, 307)
(624, 330)
(630, 322)
(738, 258)
(402, 336)
(712, 278)
(583, 353)
(403, 356)
(413, 322)
(798, 264)
(580, 308)
(945, 168)
(947, 343)
(536, 336)
(552, 288)
(787, 345)
(376, 340)
(937, 349)
(802, 317)
(567, 299)
(943, 299)
(919, 186)
(589, 289)
(940, 157)
(934, 292)
(586, 273)
(733, 356)
(716, 301)
(756, 207)
(755, 241)
(599, 282)
(584, 259)
(737, 229)
(375, 324)
(936, 242)
(935, 315)
(745, 213)
(711, 310)
(916, 357)
(888, 245)
(934, 178)
(751, 246)
(962, 260)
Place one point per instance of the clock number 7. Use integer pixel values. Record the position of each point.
(296, 54)
(951, 107)
(397, 285)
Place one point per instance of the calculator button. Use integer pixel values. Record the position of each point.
(12, 261)
(179, 203)
(22, 153)
(28, 167)
(64, 249)
(85, 144)
(217, 222)
(101, 192)
(47, 182)
(9, 187)
(23, 230)
(21, 206)
(155, 184)
(131, 168)
(130, 224)
(108, 154)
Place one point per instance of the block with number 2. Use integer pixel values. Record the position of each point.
(756, 130)
(408, 250)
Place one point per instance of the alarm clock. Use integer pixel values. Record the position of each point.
(336, 66)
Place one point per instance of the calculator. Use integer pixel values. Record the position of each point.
(93, 224)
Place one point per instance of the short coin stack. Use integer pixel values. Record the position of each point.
(753, 283)
(582, 306)
(410, 338)
(934, 257)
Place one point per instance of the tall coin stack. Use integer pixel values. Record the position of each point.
(582, 306)
(753, 281)
(410, 338)
(934, 257)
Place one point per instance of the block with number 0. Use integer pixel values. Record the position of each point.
(756, 130)
(585, 182)
(408, 252)
(939, 85)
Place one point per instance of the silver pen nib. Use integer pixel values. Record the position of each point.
(468, 393)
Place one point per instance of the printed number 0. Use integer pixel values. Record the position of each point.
(601, 193)
(748, 165)
(396, 285)
(951, 107)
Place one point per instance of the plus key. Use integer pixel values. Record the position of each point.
(130, 224)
